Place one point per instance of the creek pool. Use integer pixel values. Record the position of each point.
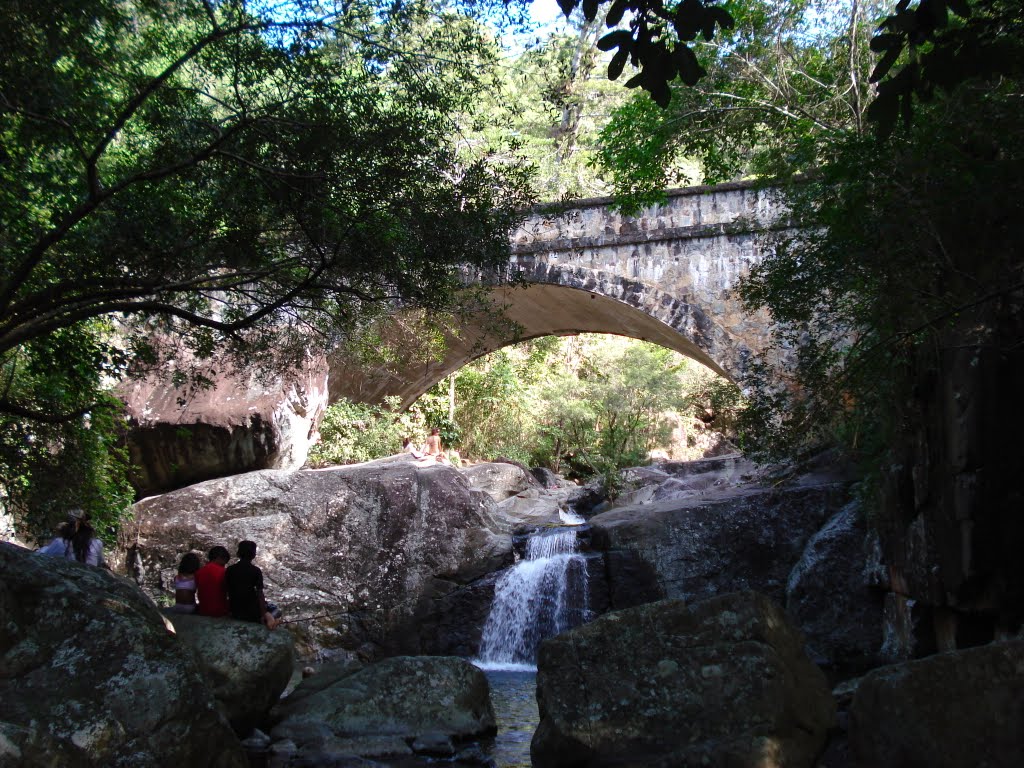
(514, 697)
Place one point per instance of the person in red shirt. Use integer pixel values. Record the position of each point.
(211, 591)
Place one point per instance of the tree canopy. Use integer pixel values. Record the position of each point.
(247, 179)
(925, 45)
(243, 180)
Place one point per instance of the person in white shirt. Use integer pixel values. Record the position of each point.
(76, 540)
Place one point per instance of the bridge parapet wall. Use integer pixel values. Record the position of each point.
(693, 248)
(695, 212)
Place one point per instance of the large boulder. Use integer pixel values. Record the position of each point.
(90, 675)
(748, 537)
(237, 424)
(356, 556)
(499, 480)
(394, 708)
(246, 665)
(962, 709)
(666, 480)
(530, 508)
(724, 682)
(829, 597)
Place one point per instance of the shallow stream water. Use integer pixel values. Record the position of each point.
(513, 694)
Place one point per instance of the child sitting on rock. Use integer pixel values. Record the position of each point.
(185, 584)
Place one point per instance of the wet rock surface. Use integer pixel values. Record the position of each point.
(90, 675)
(746, 537)
(499, 480)
(722, 682)
(830, 597)
(950, 520)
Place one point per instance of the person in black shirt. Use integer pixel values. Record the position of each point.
(244, 582)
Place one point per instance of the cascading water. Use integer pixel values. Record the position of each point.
(544, 594)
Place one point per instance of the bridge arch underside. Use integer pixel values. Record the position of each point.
(594, 305)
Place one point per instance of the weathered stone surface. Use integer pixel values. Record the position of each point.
(723, 682)
(237, 425)
(369, 548)
(539, 510)
(829, 597)
(620, 579)
(549, 479)
(741, 538)
(667, 275)
(671, 480)
(452, 622)
(949, 518)
(323, 677)
(498, 479)
(246, 665)
(386, 708)
(963, 709)
(91, 676)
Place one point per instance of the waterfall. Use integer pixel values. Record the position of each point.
(543, 594)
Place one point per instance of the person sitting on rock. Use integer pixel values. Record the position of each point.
(185, 584)
(245, 588)
(76, 540)
(433, 447)
(210, 585)
(408, 446)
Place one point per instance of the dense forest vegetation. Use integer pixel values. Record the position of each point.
(262, 182)
(582, 406)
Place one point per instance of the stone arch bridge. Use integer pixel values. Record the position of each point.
(666, 275)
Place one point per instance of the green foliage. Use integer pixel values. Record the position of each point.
(938, 45)
(586, 405)
(545, 105)
(228, 180)
(780, 86)
(657, 41)
(905, 254)
(73, 457)
(614, 412)
(354, 432)
(252, 184)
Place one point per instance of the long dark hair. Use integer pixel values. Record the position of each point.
(189, 563)
(79, 534)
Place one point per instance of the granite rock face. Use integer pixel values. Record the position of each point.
(238, 424)
(830, 598)
(90, 675)
(949, 519)
(499, 480)
(962, 709)
(398, 707)
(724, 682)
(700, 545)
(367, 552)
(246, 665)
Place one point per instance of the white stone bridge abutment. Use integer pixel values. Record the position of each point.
(666, 275)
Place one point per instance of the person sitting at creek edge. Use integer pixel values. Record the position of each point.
(244, 583)
(76, 540)
(210, 587)
(185, 584)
